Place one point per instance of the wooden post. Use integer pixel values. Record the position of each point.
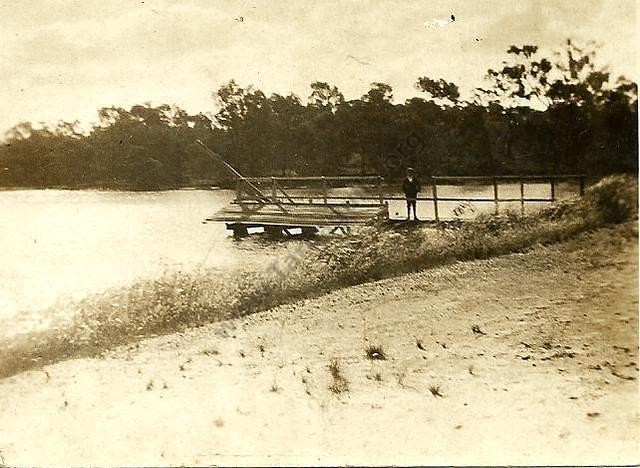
(273, 232)
(495, 194)
(581, 185)
(309, 231)
(380, 194)
(553, 189)
(239, 231)
(324, 190)
(239, 189)
(255, 191)
(274, 190)
(521, 196)
(434, 189)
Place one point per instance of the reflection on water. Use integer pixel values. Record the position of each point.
(57, 244)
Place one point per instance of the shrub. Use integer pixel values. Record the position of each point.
(614, 198)
(178, 301)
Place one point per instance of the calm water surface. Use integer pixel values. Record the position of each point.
(57, 245)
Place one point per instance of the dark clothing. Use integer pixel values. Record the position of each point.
(411, 188)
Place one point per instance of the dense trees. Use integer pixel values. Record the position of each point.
(532, 114)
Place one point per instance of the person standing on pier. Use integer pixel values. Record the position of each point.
(411, 187)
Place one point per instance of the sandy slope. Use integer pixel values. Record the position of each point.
(552, 379)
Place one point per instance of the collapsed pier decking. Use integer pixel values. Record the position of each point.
(263, 202)
(280, 211)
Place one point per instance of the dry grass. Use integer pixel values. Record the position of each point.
(339, 383)
(180, 301)
(307, 388)
(375, 352)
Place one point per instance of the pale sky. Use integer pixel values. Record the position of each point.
(63, 59)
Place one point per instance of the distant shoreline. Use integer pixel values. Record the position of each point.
(395, 182)
(117, 189)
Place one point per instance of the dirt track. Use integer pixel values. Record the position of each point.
(548, 376)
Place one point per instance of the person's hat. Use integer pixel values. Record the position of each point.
(409, 169)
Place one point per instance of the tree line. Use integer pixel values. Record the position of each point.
(531, 115)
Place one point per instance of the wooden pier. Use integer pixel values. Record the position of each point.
(266, 202)
(277, 204)
(269, 203)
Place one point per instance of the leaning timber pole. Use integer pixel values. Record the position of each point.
(215, 156)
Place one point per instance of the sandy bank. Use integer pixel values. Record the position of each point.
(548, 376)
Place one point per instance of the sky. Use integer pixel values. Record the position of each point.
(64, 59)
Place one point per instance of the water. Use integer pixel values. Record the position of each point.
(57, 245)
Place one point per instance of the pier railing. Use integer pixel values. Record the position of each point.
(495, 181)
(277, 190)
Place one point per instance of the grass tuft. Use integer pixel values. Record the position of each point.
(375, 352)
(339, 384)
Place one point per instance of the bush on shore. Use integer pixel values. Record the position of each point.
(614, 199)
(179, 301)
